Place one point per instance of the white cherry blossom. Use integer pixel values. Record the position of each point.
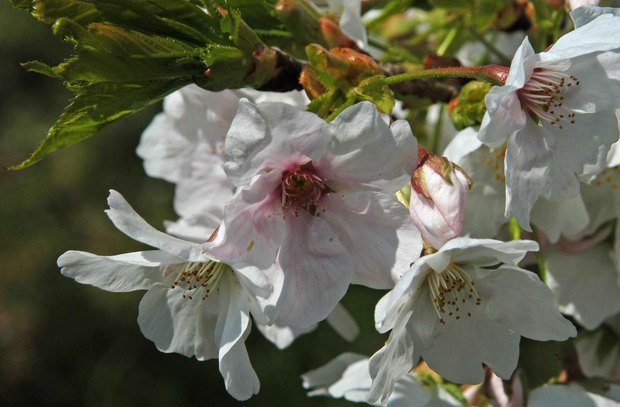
(194, 304)
(557, 114)
(460, 307)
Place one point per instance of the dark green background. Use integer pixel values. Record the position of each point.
(66, 344)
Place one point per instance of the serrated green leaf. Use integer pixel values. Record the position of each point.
(82, 12)
(95, 108)
(112, 53)
(41, 68)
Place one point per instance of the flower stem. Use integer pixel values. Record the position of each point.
(514, 228)
(494, 74)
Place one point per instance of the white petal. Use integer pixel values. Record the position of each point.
(458, 353)
(253, 225)
(567, 217)
(204, 189)
(266, 135)
(504, 116)
(567, 396)
(391, 363)
(122, 273)
(352, 24)
(583, 15)
(486, 252)
(599, 354)
(340, 377)
(528, 157)
(282, 335)
(365, 152)
(239, 376)
(439, 218)
(180, 325)
(317, 270)
(367, 225)
(392, 305)
(484, 209)
(129, 222)
(163, 149)
(191, 116)
(193, 230)
(600, 34)
(585, 284)
(535, 316)
(409, 392)
(343, 323)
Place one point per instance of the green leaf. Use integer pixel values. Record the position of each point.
(110, 53)
(82, 12)
(131, 53)
(97, 106)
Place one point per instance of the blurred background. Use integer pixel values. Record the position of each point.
(67, 344)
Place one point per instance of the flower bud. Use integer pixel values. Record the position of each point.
(469, 107)
(438, 193)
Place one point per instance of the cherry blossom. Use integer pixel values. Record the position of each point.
(308, 198)
(185, 145)
(555, 114)
(461, 307)
(194, 304)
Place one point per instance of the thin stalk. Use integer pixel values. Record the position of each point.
(494, 74)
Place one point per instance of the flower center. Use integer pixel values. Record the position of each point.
(542, 94)
(193, 277)
(302, 188)
(452, 291)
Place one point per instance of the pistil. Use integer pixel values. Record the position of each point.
(302, 188)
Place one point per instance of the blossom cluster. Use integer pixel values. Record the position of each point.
(511, 231)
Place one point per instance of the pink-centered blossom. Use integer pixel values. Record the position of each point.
(185, 145)
(318, 198)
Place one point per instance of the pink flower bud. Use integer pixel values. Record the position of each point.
(439, 190)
